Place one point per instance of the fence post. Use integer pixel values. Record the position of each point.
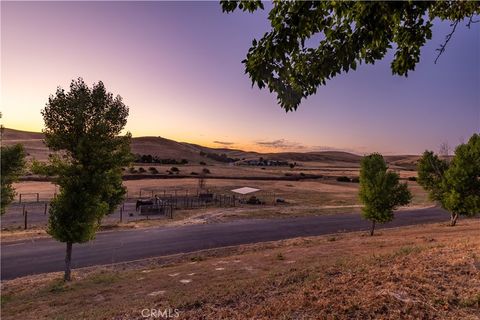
(121, 213)
(26, 214)
(38, 196)
(45, 210)
(20, 198)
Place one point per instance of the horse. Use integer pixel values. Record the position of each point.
(143, 203)
(149, 202)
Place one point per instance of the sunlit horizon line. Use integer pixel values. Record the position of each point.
(244, 147)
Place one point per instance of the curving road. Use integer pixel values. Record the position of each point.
(25, 257)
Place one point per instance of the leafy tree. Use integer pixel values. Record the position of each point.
(12, 166)
(456, 185)
(313, 41)
(380, 190)
(85, 124)
(431, 170)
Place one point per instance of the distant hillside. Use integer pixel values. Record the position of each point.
(166, 148)
(32, 141)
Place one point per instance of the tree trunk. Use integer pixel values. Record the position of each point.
(68, 260)
(453, 219)
(373, 228)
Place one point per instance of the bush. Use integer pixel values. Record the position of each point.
(175, 170)
(202, 163)
(302, 174)
(412, 178)
(343, 179)
(205, 170)
(132, 170)
(142, 170)
(153, 170)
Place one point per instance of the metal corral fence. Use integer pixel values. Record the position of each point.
(31, 209)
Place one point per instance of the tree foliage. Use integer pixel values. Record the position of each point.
(380, 190)
(431, 170)
(456, 186)
(85, 125)
(313, 41)
(12, 166)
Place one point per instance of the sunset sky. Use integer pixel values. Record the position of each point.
(177, 65)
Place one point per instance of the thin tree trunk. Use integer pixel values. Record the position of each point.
(453, 219)
(68, 260)
(373, 228)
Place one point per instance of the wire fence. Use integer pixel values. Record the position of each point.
(32, 209)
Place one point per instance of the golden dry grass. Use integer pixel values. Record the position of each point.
(422, 272)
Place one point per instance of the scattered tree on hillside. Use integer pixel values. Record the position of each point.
(455, 185)
(380, 190)
(12, 166)
(85, 124)
(313, 41)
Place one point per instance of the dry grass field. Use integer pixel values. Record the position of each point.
(305, 197)
(419, 272)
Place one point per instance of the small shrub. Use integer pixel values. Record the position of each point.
(153, 170)
(202, 163)
(58, 286)
(197, 258)
(280, 256)
(205, 170)
(412, 178)
(343, 179)
(302, 174)
(132, 170)
(193, 173)
(142, 170)
(175, 170)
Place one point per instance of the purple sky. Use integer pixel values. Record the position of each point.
(178, 67)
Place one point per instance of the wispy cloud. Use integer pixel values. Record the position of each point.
(224, 143)
(281, 144)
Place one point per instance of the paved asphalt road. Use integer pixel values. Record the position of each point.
(25, 257)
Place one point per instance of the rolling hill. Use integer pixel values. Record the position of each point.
(166, 148)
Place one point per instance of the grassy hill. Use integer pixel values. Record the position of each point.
(166, 148)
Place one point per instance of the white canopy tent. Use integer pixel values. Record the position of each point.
(245, 190)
